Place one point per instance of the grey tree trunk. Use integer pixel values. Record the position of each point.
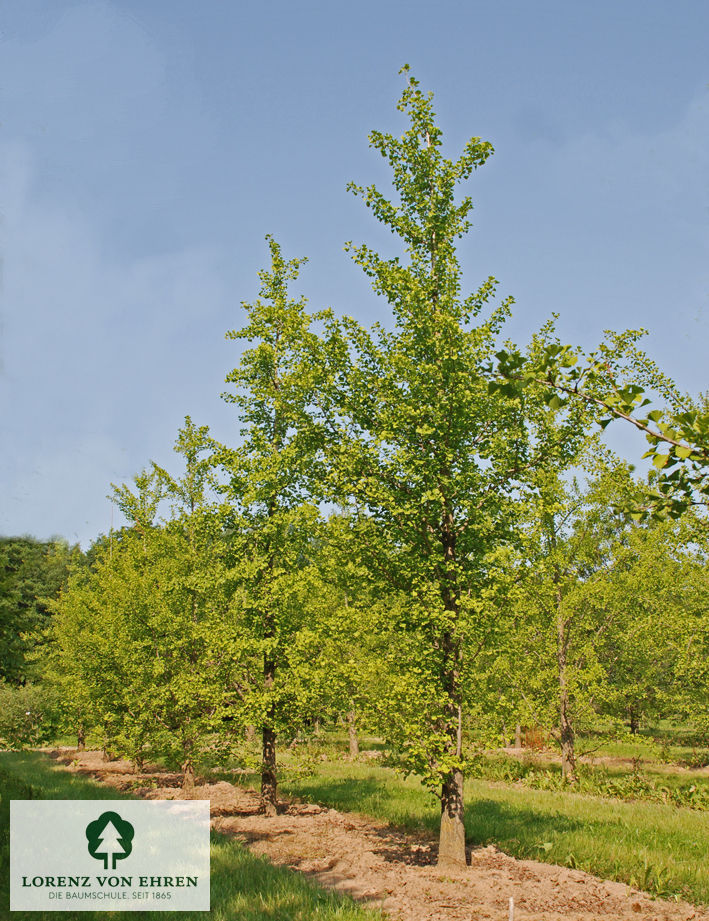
(352, 732)
(188, 778)
(451, 845)
(566, 726)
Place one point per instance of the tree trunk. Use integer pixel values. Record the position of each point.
(250, 735)
(568, 749)
(80, 737)
(269, 780)
(518, 735)
(634, 720)
(269, 790)
(451, 846)
(352, 732)
(566, 726)
(188, 778)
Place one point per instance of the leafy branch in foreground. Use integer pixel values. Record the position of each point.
(620, 380)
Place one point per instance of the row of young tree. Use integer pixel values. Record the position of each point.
(188, 634)
(418, 530)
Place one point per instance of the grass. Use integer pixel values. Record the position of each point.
(661, 849)
(243, 887)
(651, 782)
(655, 746)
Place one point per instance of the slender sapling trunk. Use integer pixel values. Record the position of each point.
(566, 726)
(352, 732)
(269, 780)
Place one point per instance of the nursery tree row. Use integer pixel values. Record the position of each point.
(418, 529)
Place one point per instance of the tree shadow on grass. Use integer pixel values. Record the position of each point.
(355, 794)
(251, 888)
(518, 830)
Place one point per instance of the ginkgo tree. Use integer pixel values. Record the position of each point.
(271, 478)
(655, 655)
(143, 638)
(571, 543)
(425, 446)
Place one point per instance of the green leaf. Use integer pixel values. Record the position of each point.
(683, 452)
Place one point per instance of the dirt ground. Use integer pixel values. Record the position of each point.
(390, 870)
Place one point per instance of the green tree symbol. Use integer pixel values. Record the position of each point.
(110, 837)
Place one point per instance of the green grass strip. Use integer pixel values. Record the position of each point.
(660, 849)
(244, 887)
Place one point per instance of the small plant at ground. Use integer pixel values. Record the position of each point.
(699, 758)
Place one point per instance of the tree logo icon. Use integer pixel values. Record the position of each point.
(110, 839)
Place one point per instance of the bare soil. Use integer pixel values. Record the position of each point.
(390, 870)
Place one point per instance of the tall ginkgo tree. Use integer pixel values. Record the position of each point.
(270, 479)
(427, 446)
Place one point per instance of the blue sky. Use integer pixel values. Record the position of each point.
(147, 147)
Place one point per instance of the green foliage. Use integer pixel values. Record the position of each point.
(271, 478)
(275, 384)
(550, 673)
(142, 638)
(31, 574)
(622, 382)
(336, 656)
(423, 447)
(30, 715)
(658, 594)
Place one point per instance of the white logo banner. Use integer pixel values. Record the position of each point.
(109, 855)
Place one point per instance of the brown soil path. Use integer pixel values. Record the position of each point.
(393, 871)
